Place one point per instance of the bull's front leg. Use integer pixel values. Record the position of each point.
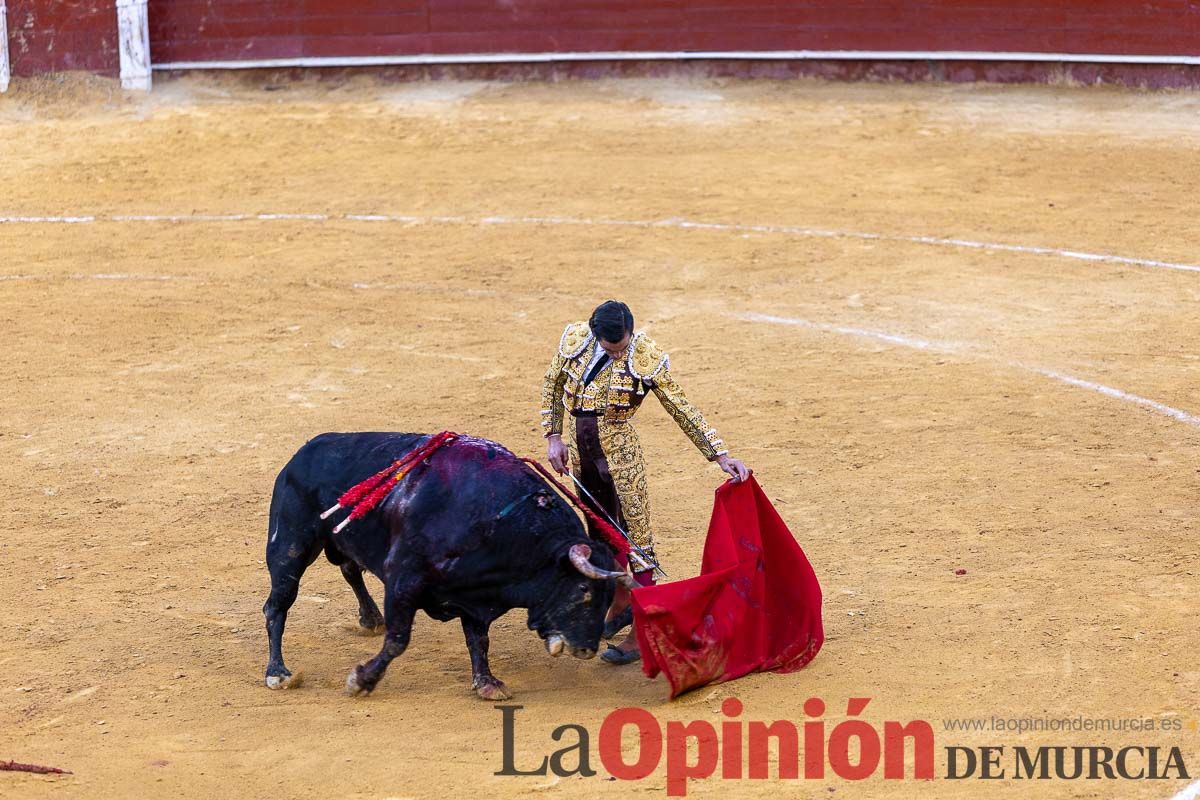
(399, 608)
(485, 684)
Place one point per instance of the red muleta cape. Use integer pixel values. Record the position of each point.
(755, 607)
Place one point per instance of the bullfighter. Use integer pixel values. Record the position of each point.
(595, 383)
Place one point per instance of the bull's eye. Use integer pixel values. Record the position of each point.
(587, 596)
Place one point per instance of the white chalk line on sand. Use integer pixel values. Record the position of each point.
(920, 344)
(954, 349)
(98, 276)
(674, 222)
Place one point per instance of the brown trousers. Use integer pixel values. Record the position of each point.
(594, 475)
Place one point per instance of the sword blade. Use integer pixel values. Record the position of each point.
(638, 551)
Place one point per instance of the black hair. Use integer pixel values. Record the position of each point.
(611, 320)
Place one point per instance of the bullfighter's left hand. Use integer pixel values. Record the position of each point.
(738, 471)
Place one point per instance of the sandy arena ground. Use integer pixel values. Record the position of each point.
(914, 408)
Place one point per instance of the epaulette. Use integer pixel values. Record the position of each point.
(576, 337)
(647, 360)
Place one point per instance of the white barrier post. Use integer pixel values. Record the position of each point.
(4, 73)
(133, 30)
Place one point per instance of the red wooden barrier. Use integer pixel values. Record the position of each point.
(56, 35)
(207, 30)
(49, 35)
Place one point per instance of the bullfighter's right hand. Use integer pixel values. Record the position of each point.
(558, 454)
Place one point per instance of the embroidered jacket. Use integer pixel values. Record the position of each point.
(618, 388)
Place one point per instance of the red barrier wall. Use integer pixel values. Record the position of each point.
(205, 30)
(57, 35)
(52, 35)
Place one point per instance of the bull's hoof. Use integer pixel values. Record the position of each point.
(370, 623)
(492, 690)
(357, 684)
(285, 681)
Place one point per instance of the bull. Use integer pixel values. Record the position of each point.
(472, 532)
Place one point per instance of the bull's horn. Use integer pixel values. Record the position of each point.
(580, 553)
(555, 645)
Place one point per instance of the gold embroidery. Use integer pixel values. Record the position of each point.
(623, 449)
(575, 339)
(687, 416)
(647, 360)
(553, 387)
(615, 395)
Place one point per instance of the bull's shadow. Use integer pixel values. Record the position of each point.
(471, 532)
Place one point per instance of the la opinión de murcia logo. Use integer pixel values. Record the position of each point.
(737, 743)
(853, 749)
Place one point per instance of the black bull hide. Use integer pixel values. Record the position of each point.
(470, 533)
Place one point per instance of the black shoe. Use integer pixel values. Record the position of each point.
(617, 656)
(620, 622)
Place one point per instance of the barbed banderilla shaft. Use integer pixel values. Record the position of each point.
(646, 560)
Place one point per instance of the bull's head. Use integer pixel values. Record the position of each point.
(570, 618)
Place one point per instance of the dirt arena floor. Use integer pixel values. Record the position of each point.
(914, 407)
